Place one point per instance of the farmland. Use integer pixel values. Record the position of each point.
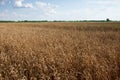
(60, 51)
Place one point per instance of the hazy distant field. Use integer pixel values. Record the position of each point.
(60, 51)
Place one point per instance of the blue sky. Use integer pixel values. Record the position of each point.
(59, 9)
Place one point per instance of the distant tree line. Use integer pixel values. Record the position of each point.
(107, 20)
(7, 21)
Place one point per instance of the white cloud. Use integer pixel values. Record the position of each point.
(20, 4)
(28, 5)
(47, 8)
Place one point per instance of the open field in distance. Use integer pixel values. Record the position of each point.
(60, 51)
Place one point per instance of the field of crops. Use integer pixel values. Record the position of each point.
(60, 51)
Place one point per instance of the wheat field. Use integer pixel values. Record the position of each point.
(60, 51)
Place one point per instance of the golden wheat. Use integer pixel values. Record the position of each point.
(60, 51)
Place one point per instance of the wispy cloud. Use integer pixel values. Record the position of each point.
(47, 8)
(104, 3)
(17, 16)
(20, 4)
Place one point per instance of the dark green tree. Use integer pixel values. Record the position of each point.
(107, 19)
